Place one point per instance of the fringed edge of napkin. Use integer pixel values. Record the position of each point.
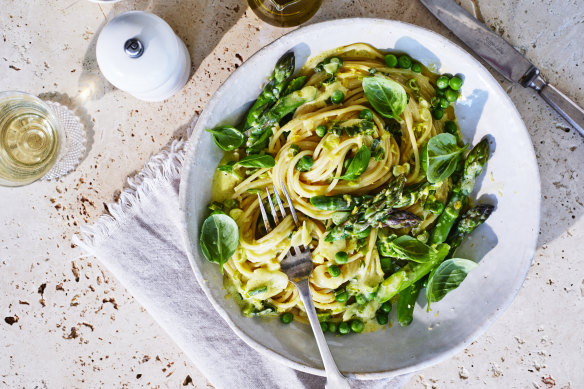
(165, 166)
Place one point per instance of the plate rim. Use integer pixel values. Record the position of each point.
(190, 152)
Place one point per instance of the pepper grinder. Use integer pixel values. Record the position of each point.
(139, 53)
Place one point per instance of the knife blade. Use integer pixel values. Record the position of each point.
(503, 57)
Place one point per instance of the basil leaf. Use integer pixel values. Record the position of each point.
(227, 138)
(257, 161)
(410, 248)
(447, 277)
(386, 96)
(440, 157)
(219, 238)
(358, 164)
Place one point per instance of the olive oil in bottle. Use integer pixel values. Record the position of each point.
(29, 138)
(285, 13)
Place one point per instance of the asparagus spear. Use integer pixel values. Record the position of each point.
(407, 302)
(410, 273)
(346, 202)
(261, 131)
(339, 202)
(294, 85)
(271, 93)
(473, 166)
(413, 272)
(448, 217)
(412, 193)
(470, 220)
(376, 212)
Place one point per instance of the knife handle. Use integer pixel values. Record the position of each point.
(560, 102)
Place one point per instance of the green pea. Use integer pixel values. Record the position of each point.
(334, 270)
(344, 328)
(342, 297)
(438, 113)
(305, 163)
(391, 60)
(357, 326)
(442, 82)
(440, 92)
(451, 95)
(332, 326)
(451, 127)
(341, 257)
(366, 114)
(361, 299)
(294, 149)
(417, 68)
(286, 318)
(324, 327)
(337, 97)
(382, 318)
(385, 307)
(321, 130)
(404, 61)
(455, 83)
(435, 101)
(444, 103)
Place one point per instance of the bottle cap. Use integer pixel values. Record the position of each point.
(138, 52)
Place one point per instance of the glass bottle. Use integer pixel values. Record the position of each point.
(285, 13)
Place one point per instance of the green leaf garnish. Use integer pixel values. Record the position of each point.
(440, 157)
(447, 277)
(227, 138)
(257, 161)
(219, 238)
(358, 164)
(386, 96)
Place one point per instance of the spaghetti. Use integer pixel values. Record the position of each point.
(253, 272)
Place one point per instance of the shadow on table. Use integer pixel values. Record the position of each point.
(199, 23)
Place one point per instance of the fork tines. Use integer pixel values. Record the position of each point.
(273, 208)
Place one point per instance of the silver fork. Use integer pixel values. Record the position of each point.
(298, 265)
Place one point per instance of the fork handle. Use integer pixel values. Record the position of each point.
(334, 378)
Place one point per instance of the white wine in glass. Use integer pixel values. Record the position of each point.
(30, 138)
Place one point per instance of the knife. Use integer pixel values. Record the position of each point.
(503, 57)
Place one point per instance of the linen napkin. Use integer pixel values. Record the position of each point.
(139, 241)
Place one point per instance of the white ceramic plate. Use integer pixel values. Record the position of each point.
(504, 245)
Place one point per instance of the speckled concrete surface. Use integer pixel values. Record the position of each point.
(68, 323)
